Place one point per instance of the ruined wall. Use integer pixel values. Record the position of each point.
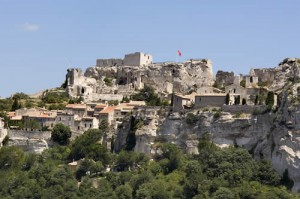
(109, 62)
(265, 74)
(224, 78)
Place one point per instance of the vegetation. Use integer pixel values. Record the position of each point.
(243, 83)
(237, 100)
(191, 119)
(148, 95)
(227, 99)
(113, 102)
(214, 173)
(244, 102)
(52, 97)
(108, 81)
(61, 134)
(270, 99)
(256, 100)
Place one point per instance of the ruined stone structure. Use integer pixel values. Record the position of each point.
(134, 59)
(114, 82)
(224, 78)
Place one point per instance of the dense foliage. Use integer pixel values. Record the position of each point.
(61, 134)
(148, 95)
(214, 173)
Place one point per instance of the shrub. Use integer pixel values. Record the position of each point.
(108, 81)
(227, 99)
(61, 134)
(191, 119)
(270, 99)
(217, 114)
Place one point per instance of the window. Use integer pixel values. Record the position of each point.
(251, 79)
(199, 99)
(85, 125)
(233, 90)
(78, 127)
(90, 125)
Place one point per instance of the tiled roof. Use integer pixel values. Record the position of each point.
(76, 106)
(108, 109)
(100, 106)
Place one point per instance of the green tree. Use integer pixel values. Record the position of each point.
(16, 105)
(223, 193)
(61, 134)
(244, 102)
(256, 100)
(227, 99)
(124, 191)
(237, 100)
(270, 99)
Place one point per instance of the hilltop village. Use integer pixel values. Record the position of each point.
(145, 103)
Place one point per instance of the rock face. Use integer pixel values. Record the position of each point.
(33, 142)
(165, 78)
(288, 70)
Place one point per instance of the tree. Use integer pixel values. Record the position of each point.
(61, 134)
(124, 191)
(244, 101)
(270, 99)
(237, 100)
(256, 100)
(227, 99)
(16, 105)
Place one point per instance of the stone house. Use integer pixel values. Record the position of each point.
(98, 108)
(89, 123)
(66, 118)
(43, 116)
(77, 109)
(212, 99)
(181, 102)
(107, 114)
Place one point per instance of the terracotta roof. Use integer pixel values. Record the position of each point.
(108, 109)
(101, 106)
(76, 106)
(11, 114)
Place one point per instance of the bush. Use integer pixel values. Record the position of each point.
(148, 95)
(270, 99)
(217, 114)
(191, 119)
(108, 81)
(55, 97)
(61, 134)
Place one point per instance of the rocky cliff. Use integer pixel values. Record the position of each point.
(271, 134)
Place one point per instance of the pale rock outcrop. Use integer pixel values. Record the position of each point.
(164, 78)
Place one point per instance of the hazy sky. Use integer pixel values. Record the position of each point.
(40, 39)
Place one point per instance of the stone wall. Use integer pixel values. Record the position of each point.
(224, 78)
(46, 135)
(242, 108)
(109, 62)
(265, 74)
(212, 100)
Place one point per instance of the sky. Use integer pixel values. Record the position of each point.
(39, 40)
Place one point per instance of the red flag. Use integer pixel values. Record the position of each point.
(179, 53)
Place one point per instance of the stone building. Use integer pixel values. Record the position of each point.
(181, 102)
(133, 59)
(210, 100)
